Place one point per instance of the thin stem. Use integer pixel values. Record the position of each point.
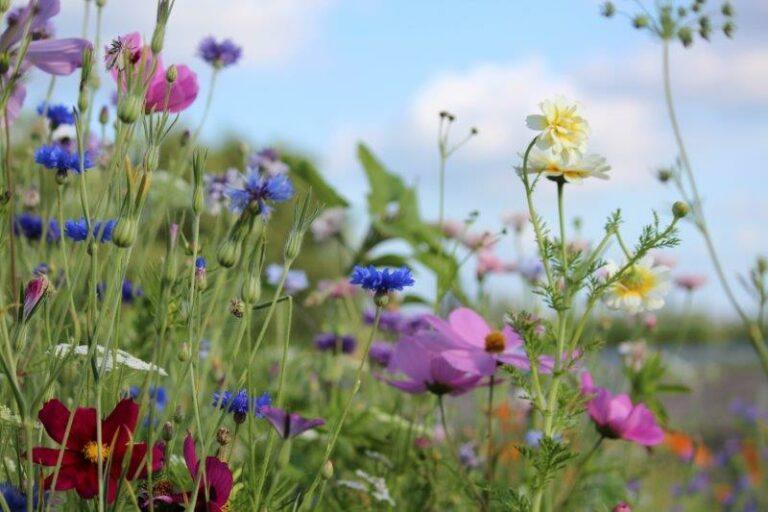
(579, 468)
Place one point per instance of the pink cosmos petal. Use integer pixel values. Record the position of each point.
(57, 56)
(449, 338)
(599, 407)
(619, 410)
(512, 339)
(411, 387)
(474, 362)
(44, 11)
(587, 384)
(183, 91)
(442, 372)
(190, 455)
(516, 358)
(15, 102)
(410, 358)
(546, 364)
(465, 384)
(641, 427)
(469, 326)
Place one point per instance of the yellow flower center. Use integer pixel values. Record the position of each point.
(495, 342)
(91, 451)
(636, 281)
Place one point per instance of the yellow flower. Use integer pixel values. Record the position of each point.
(561, 125)
(572, 167)
(642, 287)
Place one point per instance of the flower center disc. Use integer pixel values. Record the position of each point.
(91, 451)
(495, 342)
(637, 281)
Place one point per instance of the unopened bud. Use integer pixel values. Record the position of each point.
(293, 245)
(251, 289)
(762, 264)
(680, 209)
(237, 308)
(640, 21)
(151, 158)
(185, 352)
(686, 36)
(728, 29)
(622, 507)
(381, 299)
(327, 470)
(727, 9)
(664, 175)
(607, 9)
(223, 436)
(158, 39)
(167, 431)
(104, 115)
(129, 109)
(229, 253)
(101, 3)
(62, 177)
(125, 232)
(171, 74)
(178, 415)
(4, 6)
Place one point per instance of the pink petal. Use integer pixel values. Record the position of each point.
(469, 326)
(471, 361)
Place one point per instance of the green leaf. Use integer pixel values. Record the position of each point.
(309, 174)
(385, 187)
(387, 260)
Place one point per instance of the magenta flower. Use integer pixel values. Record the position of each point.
(288, 424)
(617, 418)
(690, 282)
(421, 359)
(475, 347)
(33, 295)
(160, 96)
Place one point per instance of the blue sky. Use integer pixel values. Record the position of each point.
(319, 75)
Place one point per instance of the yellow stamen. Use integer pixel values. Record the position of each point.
(91, 451)
(495, 342)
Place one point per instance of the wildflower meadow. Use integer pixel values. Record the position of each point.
(218, 324)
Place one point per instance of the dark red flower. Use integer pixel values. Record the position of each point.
(79, 466)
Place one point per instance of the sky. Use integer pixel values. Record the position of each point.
(321, 75)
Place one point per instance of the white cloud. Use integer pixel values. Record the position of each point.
(270, 31)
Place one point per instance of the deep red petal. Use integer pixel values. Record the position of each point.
(54, 416)
(124, 415)
(50, 456)
(83, 428)
(219, 478)
(138, 466)
(190, 455)
(66, 480)
(87, 481)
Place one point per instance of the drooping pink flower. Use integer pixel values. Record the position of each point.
(33, 295)
(690, 282)
(421, 359)
(474, 347)
(617, 418)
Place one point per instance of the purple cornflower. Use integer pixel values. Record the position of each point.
(267, 161)
(77, 230)
(216, 186)
(31, 227)
(332, 342)
(259, 190)
(295, 281)
(57, 114)
(199, 263)
(381, 353)
(381, 281)
(219, 54)
(468, 455)
(131, 292)
(260, 403)
(288, 424)
(58, 158)
(15, 498)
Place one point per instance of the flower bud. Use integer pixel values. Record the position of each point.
(158, 39)
(237, 308)
(4, 6)
(685, 36)
(185, 352)
(251, 289)
(62, 177)
(622, 507)
(728, 29)
(33, 295)
(327, 470)
(680, 209)
(178, 415)
(82, 100)
(167, 431)
(201, 274)
(607, 9)
(171, 74)
(198, 173)
(664, 175)
(762, 264)
(727, 9)
(381, 299)
(125, 232)
(104, 115)
(223, 436)
(293, 245)
(229, 253)
(129, 109)
(185, 137)
(640, 21)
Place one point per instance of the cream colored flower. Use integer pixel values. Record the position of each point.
(561, 125)
(641, 288)
(572, 167)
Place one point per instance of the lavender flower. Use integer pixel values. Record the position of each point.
(216, 187)
(219, 54)
(267, 161)
(331, 342)
(288, 424)
(381, 353)
(295, 281)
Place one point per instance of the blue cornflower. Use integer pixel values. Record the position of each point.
(57, 114)
(60, 159)
(260, 402)
(381, 281)
(238, 404)
(131, 292)
(158, 397)
(41, 269)
(257, 190)
(219, 54)
(199, 263)
(31, 227)
(15, 499)
(77, 230)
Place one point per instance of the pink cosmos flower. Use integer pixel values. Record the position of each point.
(690, 282)
(421, 359)
(489, 263)
(474, 347)
(160, 96)
(617, 418)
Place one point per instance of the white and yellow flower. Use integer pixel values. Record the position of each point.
(561, 125)
(642, 287)
(572, 167)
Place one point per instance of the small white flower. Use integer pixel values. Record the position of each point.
(561, 125)
(570, 166)
(634, 353)
(110, 361)
(642, 287)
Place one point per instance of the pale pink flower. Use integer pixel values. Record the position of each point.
(690, 282)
